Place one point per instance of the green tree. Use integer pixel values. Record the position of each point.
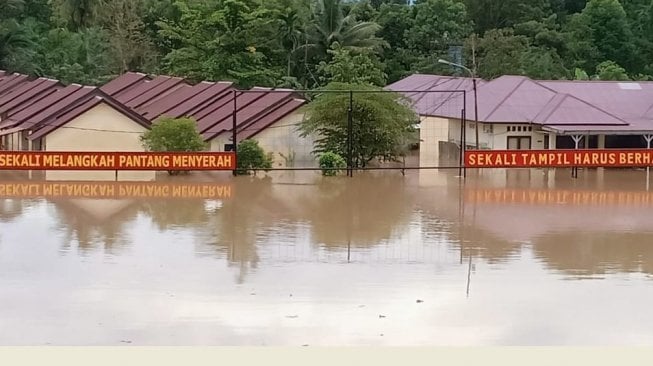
(437, 25)
(396, 21)
(610, 70)
(610, 31)
(492, 14)
(345, 67)
(77, 14)
(251, 156)
(81, 57)
(16, 45)
(381, 128)
(224, 40)
(329, 25)
(173, 134)
(131, 49)
(500, 52)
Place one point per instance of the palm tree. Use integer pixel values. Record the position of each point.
(290, 33)
(14, 42)
(330, 25)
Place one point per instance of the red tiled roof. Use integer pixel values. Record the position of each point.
(122, 82)
(265, 121)
(209, 103)
(9, 82)
(77, 108)
(28, 93)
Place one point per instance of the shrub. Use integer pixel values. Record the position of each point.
(331, 163)
(251, 156)
(173, 134)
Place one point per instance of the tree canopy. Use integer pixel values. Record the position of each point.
(304, 43)
(382, 123)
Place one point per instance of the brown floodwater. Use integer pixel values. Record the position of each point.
(517, 257)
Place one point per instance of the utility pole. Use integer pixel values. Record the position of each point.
(472, 74)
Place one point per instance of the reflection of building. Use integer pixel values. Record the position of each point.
(599, 225)
(515, 112)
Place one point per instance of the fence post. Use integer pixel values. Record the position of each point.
(234, 143)
(462, 149)
(350, 137)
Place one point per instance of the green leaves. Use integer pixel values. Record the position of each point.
(251, 156)
(224, 40)
(345, 67)
(331, 163)
(173, 134)
(382, 123)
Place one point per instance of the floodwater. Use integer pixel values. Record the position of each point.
(517, 257)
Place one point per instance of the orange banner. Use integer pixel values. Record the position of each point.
(558, 158)
(114, 190)
(51, 160)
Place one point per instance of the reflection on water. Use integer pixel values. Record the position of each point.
(507, 257)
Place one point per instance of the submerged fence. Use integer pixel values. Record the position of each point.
(275, 118)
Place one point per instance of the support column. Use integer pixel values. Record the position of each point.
(648, 139)
(577, 139)
(601, 142)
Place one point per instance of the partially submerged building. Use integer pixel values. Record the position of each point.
(44, 115)
(268, 116)
(515, 112)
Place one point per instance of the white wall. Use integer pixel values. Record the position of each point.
(118, 133)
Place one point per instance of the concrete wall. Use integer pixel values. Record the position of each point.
(118, 133)
(432, 131)
(280, 138)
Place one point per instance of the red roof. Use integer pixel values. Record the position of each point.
(211, 104)
(9, 82)
(28, 93)
(43, 105)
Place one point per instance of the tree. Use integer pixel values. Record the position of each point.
(173, 134)
(15, 41)
(224, 40)
(382, 123)
(609, 28)
(251, 156)
(130, 47)
(77, 14)
(437, 25)
(492, 14)
(500, 52)
(610, 70)
(344, 67)
(330, 25)
(395, 21)
(81, 57)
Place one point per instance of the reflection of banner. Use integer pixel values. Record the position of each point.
(558, 158)
(113, 190)
(56, 160)
(556, 197)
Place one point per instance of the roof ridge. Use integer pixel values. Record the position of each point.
(598, 108)
(523, 80)
(562, 97)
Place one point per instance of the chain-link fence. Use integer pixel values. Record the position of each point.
(366, 127)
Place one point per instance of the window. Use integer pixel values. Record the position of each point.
(530, 128)
(519, 142)
(228, 147)
(546, 142)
